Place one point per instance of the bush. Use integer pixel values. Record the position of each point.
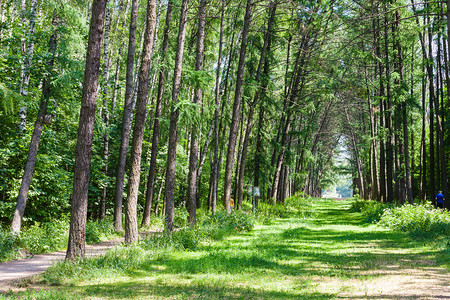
(372, 210)
(298, 206)
(418, 220)
(97, 231)
(9, 246)
(236, 220)
(46, 237)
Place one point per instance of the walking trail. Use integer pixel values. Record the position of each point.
(356, 260)
(13, 273)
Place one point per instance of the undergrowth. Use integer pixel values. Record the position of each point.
(420, 221)
(127, 259)
(370, 209)
(48, 237)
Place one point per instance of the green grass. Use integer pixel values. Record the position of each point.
(291, 258)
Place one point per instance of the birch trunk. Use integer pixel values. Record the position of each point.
(26, 69)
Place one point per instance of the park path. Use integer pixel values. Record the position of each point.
(12, 273)
(399, 271)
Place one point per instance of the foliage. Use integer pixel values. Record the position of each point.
(48, 237)
(9, 246)
(97, 231)
(236, 220)
(419, 220)
(273, 262)
(299, 206)
(372, 210)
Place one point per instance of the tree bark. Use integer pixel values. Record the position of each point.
(77, 233)
(131, 225)
(127, 119)
(236, 108)
(105, 111)
(36, 137)
(156, 122)
(172, 150)
(193, 159)
(388, 119)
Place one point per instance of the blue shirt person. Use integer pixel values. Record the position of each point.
(440, 200)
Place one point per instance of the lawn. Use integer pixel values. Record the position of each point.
(332, 254)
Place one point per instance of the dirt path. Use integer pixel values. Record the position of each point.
(13, 273)
(384, 266)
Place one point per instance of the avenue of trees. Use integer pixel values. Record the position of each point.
(129, 108)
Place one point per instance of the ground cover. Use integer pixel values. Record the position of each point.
(332, 254)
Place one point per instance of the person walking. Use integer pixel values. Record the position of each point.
(440, 200)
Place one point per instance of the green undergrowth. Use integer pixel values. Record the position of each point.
(330, 254)
(126, 259)
(422, 222)
(48, 237)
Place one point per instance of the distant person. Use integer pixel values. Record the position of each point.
(440, 200)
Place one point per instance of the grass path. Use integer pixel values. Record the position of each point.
(330, 256)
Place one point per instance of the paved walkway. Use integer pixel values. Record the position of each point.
(13, 272)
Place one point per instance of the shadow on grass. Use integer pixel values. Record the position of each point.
(196, 291)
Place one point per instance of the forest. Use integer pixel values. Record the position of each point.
(132, 109)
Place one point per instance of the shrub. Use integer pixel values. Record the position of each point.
(418, 220)
(236, 220)
(97, 231)
(45, 237)
(9, 246)
(298, 206)
(372, 210)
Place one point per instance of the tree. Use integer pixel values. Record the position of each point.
(193, 160)
(77, 234)
(236, 109)
(131, 227)
(41, 119)
(127, 119)
(172, 149)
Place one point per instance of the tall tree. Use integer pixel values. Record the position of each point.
(172, 150)
(236, 109)
(193, 159)
(41, 119)
(157, 119)
(131, 226)
(127, 119)
(77, 233)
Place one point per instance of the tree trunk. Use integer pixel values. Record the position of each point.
(172, 151)
(36, 137)
(388, 119)
(215, 160)
(127, 119)
(156, 124)
(236, 109)
(432, 95)
(423, 148)
(77, 233)
(131, 226)
(193, 159)
(105, 111)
